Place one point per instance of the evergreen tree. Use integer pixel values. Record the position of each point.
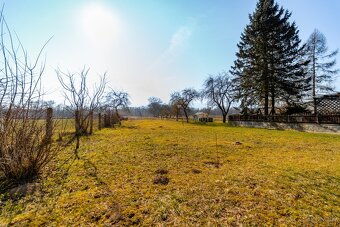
(269, 66)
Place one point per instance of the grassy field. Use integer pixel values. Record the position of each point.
(154, 172)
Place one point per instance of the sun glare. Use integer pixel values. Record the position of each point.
(99, 24)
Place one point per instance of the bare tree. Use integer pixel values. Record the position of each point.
(321, 66)
(81, 100)
(25, 142)
(165, 111)
(219, 92)
(115, 100)
(183, 99)
(155, 106)
(175, 105)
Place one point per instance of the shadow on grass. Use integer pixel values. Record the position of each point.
(40, 191)
(113, 215)
(34, 191)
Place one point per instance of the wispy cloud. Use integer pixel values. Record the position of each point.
(177, 42)
(179, 38)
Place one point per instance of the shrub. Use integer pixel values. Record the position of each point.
(25, 140)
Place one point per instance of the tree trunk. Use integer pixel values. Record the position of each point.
(266, 81)
(78, 131)
(186, 115)
(266, 103)
(91, 123)
(266, 97)
(273, 102)
(224, 118)
(105, 120)
(118, 117)
(77, 121)
(117, 113)
(99, 121)
(314, 81)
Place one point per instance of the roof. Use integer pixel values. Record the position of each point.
(201, 114)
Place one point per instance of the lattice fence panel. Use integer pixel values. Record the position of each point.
(329, 105)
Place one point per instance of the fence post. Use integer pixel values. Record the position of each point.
(317, 118)
(100, 121)
(49, 125)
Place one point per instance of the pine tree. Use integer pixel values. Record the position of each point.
(269, 66)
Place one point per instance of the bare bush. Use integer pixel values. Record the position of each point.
(25, 144)
(80, 99)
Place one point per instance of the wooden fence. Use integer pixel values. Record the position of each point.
(318, 119)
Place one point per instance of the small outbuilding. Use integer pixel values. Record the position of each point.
(202, 117)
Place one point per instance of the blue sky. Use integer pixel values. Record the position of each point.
(150, 47)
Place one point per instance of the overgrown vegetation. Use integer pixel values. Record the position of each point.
(264, 177)
(25, 142)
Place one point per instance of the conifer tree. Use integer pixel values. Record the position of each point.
(269, 65)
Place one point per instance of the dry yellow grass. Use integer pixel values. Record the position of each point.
(217, 175)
